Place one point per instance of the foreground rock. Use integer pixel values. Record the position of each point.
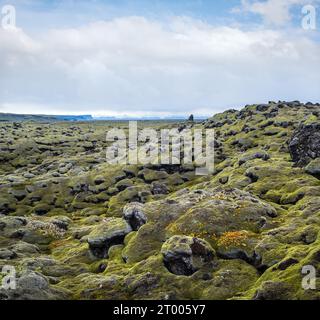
(313, 168)
(134, 214)
(111, 232)
(32, 286)
(185, 255)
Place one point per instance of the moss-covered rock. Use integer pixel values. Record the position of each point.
(111, 232)
(313, 168)
(134, 214)
(185, 255)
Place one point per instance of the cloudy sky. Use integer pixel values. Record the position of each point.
(143, 57)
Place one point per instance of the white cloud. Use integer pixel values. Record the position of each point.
(132, 64)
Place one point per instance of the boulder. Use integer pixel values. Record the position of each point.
(262, 107)
(33, 281)
(257, 155)
(184, 255)
(134, 214)
(19, 194)
(304, 145)
(107, 234)
(244, 143)
(6, 205)
(99, 180)
(32, 286)
(6, 254)
(159, 188)
(313, 168)
(124, 184)
(151, 175)
(274, 290)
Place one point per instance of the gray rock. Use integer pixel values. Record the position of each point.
(61, 222)
(33, 281)
(271, 290)
(313, 168)
(134, 214)
(6, 254)
(184, 255)
(32, 286)
(258, 155)
(19, 194)
(23, 248)
(124, 184)
(109, 233)
(159, 188)
(9, 222)
(305, 144)
(29, 175)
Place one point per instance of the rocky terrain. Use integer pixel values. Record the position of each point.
(75, 227)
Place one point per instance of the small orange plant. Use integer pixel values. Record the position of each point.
(234, 238)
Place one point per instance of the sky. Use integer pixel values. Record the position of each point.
(156, 58)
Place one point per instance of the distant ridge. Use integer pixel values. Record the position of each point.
(43, 118)
(10, 117)
(149, 118)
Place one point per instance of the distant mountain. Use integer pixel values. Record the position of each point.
(42, 118)
(75, 118)
(59, 118)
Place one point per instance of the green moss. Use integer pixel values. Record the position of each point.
(257, 211)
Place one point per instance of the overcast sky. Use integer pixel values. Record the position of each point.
(143, 57)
